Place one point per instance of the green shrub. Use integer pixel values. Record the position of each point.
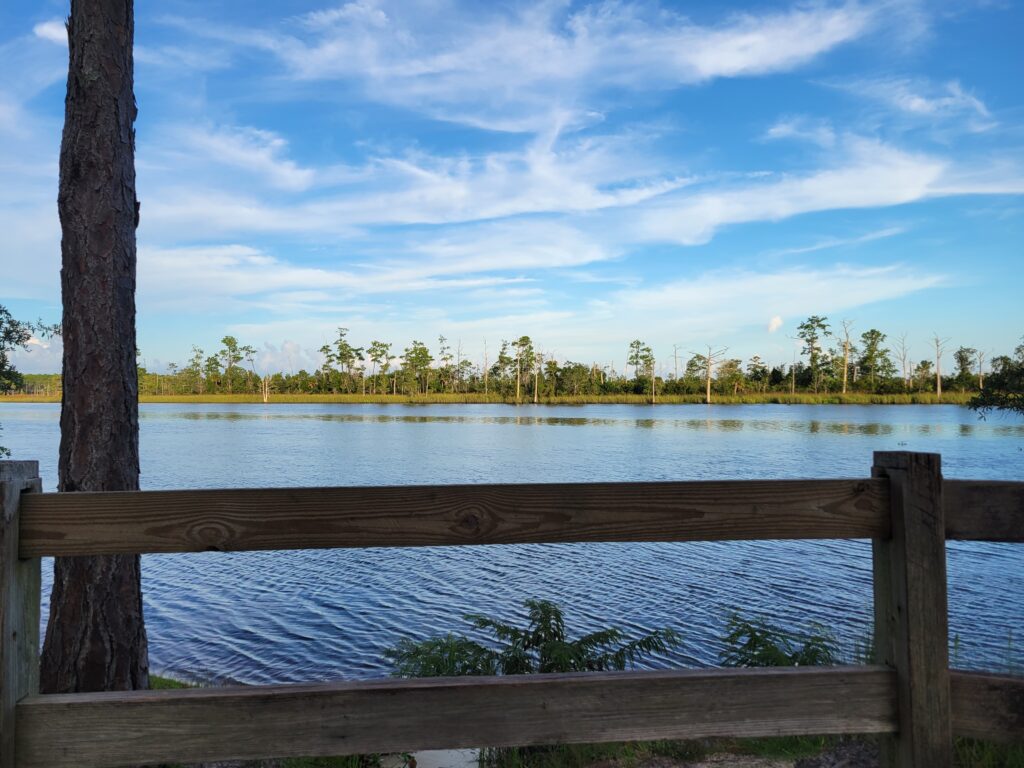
(540, 646)
(756, 643)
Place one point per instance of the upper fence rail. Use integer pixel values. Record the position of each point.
(68, 524)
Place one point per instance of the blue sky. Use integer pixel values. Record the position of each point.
(585, 173)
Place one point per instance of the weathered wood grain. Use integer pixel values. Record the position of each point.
(984, 510)
(911, 624)
(314, 518)
(107, 729)
(989, 707)
(19, 604)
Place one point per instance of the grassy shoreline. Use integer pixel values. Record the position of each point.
(767, 398)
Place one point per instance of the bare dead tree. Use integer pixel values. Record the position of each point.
(792, 366)
(486, 371)
(847, 325)
(713, 356)
(654, 381)
(538, 361)
(903, 355)
(96, 637)
(458, 366)
(940, 348)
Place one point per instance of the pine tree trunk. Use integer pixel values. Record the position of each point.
(96, 638)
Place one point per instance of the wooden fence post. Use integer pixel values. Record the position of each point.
(911, 622)
(19, 604)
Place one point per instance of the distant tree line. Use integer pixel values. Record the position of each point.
(825, 360)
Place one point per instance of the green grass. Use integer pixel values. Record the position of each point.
(778, 747)
(971, 753)
(626, 754)
(351, 761)
(753, 398)
(157, 683)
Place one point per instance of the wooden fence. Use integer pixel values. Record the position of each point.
(911, 697)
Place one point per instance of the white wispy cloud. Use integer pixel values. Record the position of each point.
(803, 128)
(709, 305)
(250, 150)
(551, 174)
(840, 242)
(361, 11)
(12, 116)
(243, 275)
(516, 247)
(179, 59)
(868, 174)
(305, 304)
(288, 356)
(923, 99)
(522, 69)
(498, 254)
(39, 355)
(724, 301)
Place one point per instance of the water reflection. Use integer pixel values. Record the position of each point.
(808, 426)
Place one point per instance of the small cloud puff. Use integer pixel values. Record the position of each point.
(774, 324)
(53, 30)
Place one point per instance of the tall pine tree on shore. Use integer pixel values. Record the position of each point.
(96, 637)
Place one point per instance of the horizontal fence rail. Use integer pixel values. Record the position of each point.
(241, 723)
(410, 516)
(407, 516)
(978, 510)
(987, 706)
(104, 729)
(912, 699)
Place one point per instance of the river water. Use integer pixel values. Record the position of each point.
(303, 616)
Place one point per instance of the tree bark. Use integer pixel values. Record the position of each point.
(96, 638)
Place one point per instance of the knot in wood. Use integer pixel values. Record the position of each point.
(469, 521)
(474, 522)
(211, 536)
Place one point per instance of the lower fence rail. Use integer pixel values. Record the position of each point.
(380, 716)
(205, 724)
(987, 706)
